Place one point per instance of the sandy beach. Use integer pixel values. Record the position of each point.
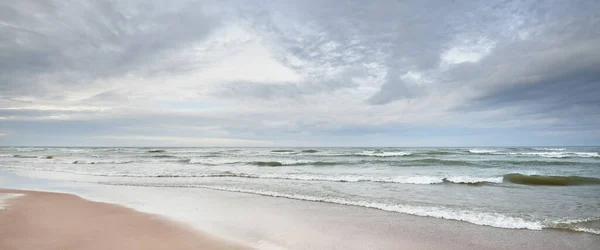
(43, 220)
(200, 218)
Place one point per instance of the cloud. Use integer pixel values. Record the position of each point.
(182, 141)
(73, 43)
(299, 73)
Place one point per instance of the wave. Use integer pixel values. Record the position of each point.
(156, 151)
(101, 162)
(29, 149)
(437, 153)
(379, 153)
(428, 180)
(282, 151)
(267, 163)
(547, 180)
(25, 156)
(558, 154)
(473, 180)
(136, 175)
(294, 163)
(163, 156)
(578, 225)
(73, 150)
(539, 163)
(433, 161)
(278, 163)
(483, 151)
(111, 149)
(481, 218)
(474, 217)
(309, 151)
(478, 218)
(190, 175)
(211, 161)
(551, 154)
(550, 149)
(416, 180)
(30, 156)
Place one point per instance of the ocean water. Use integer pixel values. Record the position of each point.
(515, 188)
(5, 197)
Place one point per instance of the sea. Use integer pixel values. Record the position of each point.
(521, 188)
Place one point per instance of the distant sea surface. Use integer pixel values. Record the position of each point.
(533, 188)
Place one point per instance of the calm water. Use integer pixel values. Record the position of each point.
(520, 188)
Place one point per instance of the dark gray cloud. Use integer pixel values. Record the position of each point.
(558, 82)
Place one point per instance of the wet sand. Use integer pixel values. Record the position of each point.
(43, 220)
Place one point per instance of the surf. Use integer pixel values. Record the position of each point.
(549, 180)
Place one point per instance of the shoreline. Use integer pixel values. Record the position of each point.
(47, 220)
(264, 222)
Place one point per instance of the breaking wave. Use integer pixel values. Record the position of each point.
(101, 162)
(441, 212)
(550, 149)
(547, 154)
(477, 218)
(379, 153)
(294, 163)
(29, 149)
(578, 225)
(483, 151)
(278, 163)
(214, 161)
(416, 180)
(560, 154)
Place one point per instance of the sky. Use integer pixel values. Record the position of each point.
(299, 73)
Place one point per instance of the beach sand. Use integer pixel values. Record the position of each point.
(43, 220)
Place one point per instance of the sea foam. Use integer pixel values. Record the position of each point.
(5, 197)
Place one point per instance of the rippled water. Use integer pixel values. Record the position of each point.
(521, 188)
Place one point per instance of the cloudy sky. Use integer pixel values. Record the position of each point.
(299, 73)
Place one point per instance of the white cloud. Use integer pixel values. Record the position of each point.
(468, 51)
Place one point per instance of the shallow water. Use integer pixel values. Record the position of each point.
(520, 188)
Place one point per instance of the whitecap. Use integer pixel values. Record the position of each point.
(482, 151)
(383, 154)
